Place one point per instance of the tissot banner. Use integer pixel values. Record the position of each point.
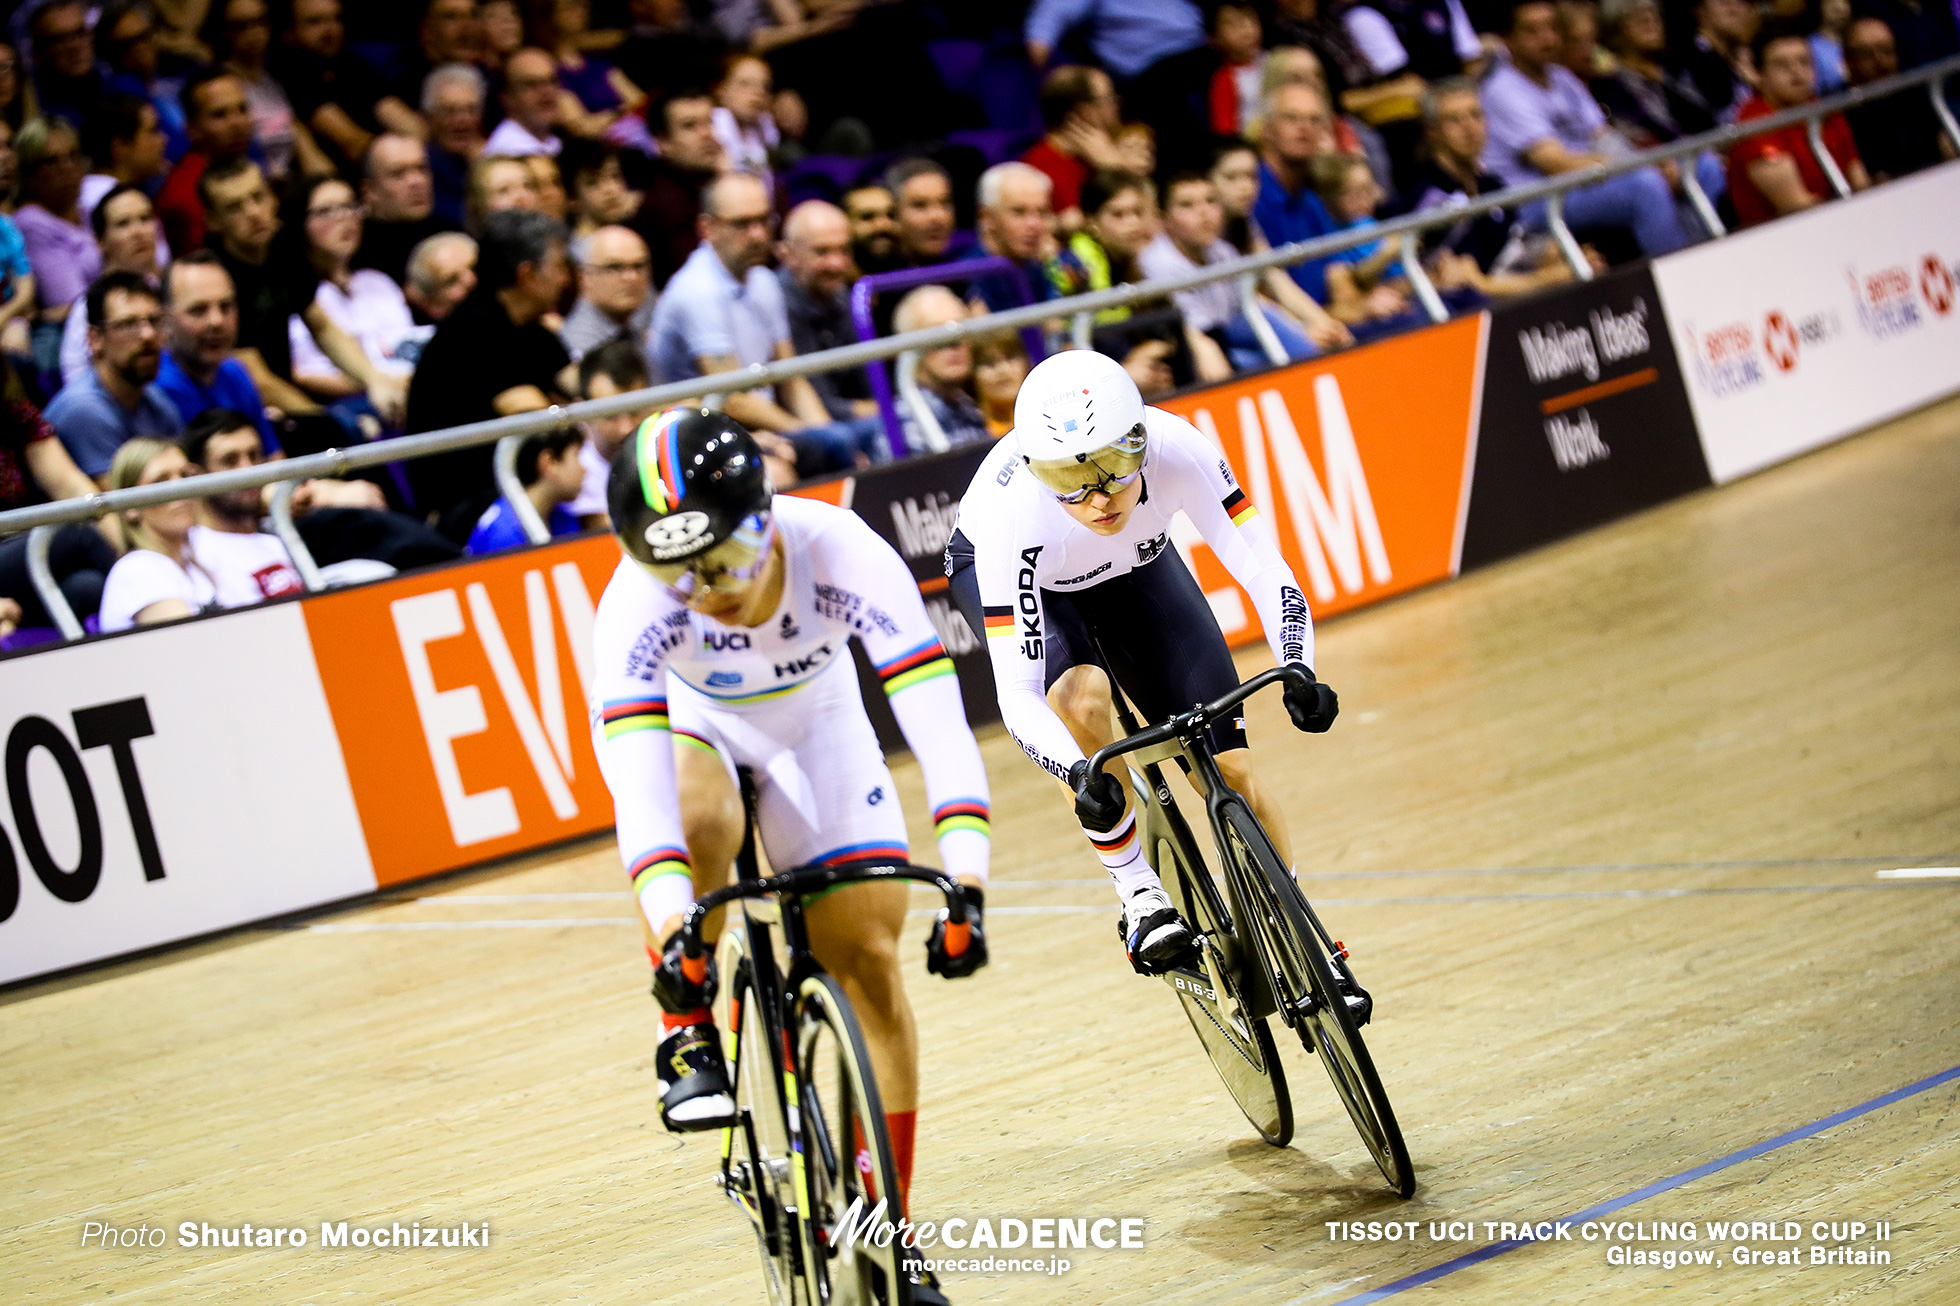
(1814, 326)
(1584, 417)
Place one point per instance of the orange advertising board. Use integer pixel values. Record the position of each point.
(1360, 464)
(459, 696)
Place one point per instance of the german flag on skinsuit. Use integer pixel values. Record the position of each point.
(625, 715)
(999, 622)
(650, 866)
(961, 814)
(1239, 508)
(926, 662)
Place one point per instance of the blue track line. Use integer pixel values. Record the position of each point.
(1436, 1272)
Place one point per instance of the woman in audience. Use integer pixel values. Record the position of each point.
(1000, 364)
(159, 578)
(239, 33)
(548, 184)
(596, 95)
(600, 196)
(503, 32)
(60, 247)
(742, 121)
(1235, 175)
(16, 273)
(16, 92)
(366, 304)
(498, 182)
(1119, 216)
(36, 468)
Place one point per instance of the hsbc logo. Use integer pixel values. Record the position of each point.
(1936, 284)
(1780, 341)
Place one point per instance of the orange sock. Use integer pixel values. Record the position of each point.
(903, 1126)
(669, 1021)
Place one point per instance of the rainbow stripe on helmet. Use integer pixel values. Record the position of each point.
(657, 447)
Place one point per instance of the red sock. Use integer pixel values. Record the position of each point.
(903, 1126)
(670, 1022)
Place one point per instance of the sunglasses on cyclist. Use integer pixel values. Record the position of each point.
(1109, 470)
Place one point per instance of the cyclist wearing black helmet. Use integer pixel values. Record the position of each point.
(722, 641)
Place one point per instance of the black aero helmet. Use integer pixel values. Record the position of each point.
(688, 482)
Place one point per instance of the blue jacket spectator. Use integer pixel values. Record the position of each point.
(549, 468)
(198, 372)
(1298, 128)
(119, 399)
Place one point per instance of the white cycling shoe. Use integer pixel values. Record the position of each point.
(1154, 935)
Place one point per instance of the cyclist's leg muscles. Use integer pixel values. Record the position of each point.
(1238, 771)
(854, 932)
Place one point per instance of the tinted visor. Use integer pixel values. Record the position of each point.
(1106, 468)
(729, 567)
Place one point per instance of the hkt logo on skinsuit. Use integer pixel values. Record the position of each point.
(1936, 284)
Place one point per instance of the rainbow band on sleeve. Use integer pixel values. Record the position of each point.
(875, 851)
(926, 662)
(624, 716)
(1239, 508)
(649, 867)
(999, 622)
(961, 814)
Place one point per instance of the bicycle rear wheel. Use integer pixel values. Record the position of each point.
(848, 1176)
(1305, 983)
(756, 1164)
(1238, 1043)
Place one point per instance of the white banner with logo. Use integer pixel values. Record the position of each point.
(1813, 327)
(166, 785)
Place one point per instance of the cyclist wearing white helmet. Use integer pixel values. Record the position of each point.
(1062, 562)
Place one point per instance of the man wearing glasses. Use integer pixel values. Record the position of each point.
(724, 310)
(118, 399)
(615, 292)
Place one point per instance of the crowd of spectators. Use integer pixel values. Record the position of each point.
(234, 230)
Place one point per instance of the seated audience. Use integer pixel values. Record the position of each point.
(724, 310)
(615, 368)
(398, 201)
(1829, 22)
(1718, 61)
(1363, 281)
(60, 247)
(1544, 122)
(1777, 172)
(1235, 173)
(1646, 101)
(548, 185)
(125, 227)
(502, 22)
(1898, 134)
(67, 80)
(548, 468)
(441, 274)
(1080, 116)
(741, 117)
(118, 399)
(160, 578)
(599, 194)
(666, 48)
(499, 182)
(874, 228)
(1158, 52)
(1235, 87)
(1016, 223)
(35, 468)
(239, 33)
(364, 303)
(17, 289)
(336, 95)
(125, 145)
(1297, 129)
(452, 104)
(690, 157)
(231, 542)
(815, 272)
(1000, 364)
(492, 357)
(126, 32)
(198, 372)
(532, 107)
(924, 197)
(448, 33)
(1406, 45)
(595, 95)
(615, 292)
(1119, 217)
(220, 126)
(944, 375)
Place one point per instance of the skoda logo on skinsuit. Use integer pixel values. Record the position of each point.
(1780, 340)
(677, 535)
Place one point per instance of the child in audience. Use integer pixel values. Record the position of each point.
(548, 467)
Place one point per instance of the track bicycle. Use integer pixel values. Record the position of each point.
(809, 1136)
(1261, 948)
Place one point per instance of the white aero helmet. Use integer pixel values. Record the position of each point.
(1079, 421)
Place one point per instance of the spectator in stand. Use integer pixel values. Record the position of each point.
(239, 33)
(1119, 218)
(65, 72)
(600, 196)
(665, 49)
(548, 469)
(548, 184)
(1718, 60)
(741, 117)
(159, 578)
(123, 141)
(118, 399)
(499, 182)
(1081, 116)
(35, 468)
(1016, 223)
(1898, 134)
(1645, 101)
(275, 280)
(126, 32)
(924, 195)
(60, 247)
(399, 198)
(441, 274)
(1319, 29)
(945, 376)
(502, 22)
(724, 310)
(1506, 261)
(1828, 21)
(15, 94)
(615, 292)
(231, 541)
(448, 33)
(1158, 52)
(125, 227)
(1365, 282)
(1000, 364)
(335, 95)
(17, 290)
(1298, 128)
(1778, 173)
(1579, 50)
(1406, 45)
(492, 357)
(596, 95)
(198, 372)
(1293, 63)
(615, 368)
(874, 228)
(1922, 30)
(1221, 339)
(815, 271)
(366, 304)
(1544, 122)
(532, 108)
(690, 157)
(452, 104)
(1235, 87)
(1235, 172)
(220, 125)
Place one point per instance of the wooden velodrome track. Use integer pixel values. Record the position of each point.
(1602, 825)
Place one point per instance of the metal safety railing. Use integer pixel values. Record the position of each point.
(42, 519)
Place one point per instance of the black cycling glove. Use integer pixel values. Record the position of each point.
(1312, 707)
(1098, 798)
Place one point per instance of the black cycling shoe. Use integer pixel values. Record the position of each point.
(696, 1094)
(1155, 937)
(925, 1287)
(975, 956)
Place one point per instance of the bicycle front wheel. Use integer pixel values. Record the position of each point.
(756, 1158)
(847, 1175)
(1309, 994)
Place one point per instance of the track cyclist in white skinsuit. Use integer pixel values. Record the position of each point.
(722, 640)
(1062, 561)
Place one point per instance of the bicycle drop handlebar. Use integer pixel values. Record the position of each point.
(1187, 724)
(813, 879)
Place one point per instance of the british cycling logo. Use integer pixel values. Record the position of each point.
(1725, 359)
(1887, 300)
